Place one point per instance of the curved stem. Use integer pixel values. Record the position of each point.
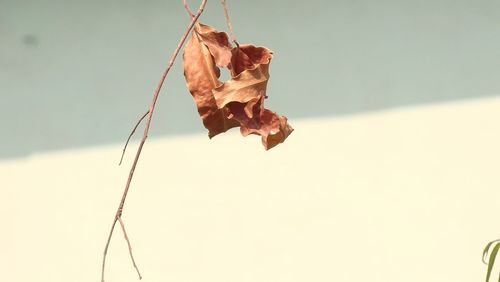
(146, 129)
(130, 135)
(186, 6)
(129, 247)
(228, 22)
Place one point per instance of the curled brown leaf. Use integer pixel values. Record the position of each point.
(217, 43)
(202, 75)
(244, 95)
(240, 100)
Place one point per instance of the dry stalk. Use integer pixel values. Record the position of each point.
(228, 22)
(130, 135)
(226, 14)
(119, 211)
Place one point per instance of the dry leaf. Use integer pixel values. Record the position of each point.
(247, 56)
(238, 101)
(217, 43)
(244, 96)
(250, 85)
(274, 129)
(202, 75)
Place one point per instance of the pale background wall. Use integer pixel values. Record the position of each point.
(378, 182)
(406, 195)
(77, 73)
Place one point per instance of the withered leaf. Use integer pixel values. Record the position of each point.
(248, 56)
(273, 128)
(250, 85)
(244, 96)
(217, 43)
(238, 101)
(202, 75)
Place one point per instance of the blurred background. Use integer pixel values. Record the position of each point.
(79, 73)
(391, 174)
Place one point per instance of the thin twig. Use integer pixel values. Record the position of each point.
(228, 21)
(186, 6)
(146, 129)
(129, 247)
(130, 135)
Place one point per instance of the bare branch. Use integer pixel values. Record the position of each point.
(156, 93)
(186, 6)
(228, 22)
(106, 249)
(130, 135)
(129, 247)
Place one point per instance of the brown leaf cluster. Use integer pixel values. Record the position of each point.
(239, 101)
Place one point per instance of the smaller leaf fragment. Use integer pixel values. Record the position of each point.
(487, 248)
(491, 261)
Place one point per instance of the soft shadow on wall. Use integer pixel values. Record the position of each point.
(80, 73)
